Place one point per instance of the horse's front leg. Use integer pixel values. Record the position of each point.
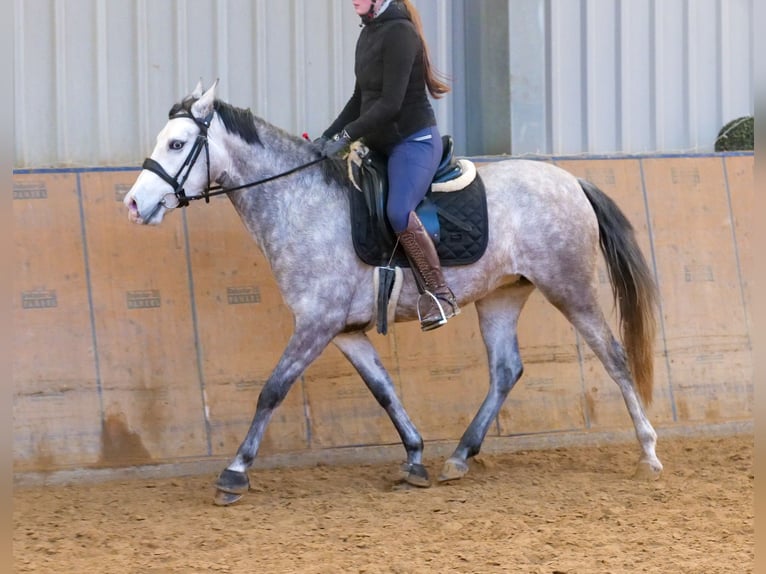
(304, 346)
(358, 349)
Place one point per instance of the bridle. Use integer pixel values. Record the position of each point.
(201, 142)
(177, 182)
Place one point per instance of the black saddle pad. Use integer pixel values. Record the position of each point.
(462, 217)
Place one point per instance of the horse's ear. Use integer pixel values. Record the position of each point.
(197, 92)
(203, 107)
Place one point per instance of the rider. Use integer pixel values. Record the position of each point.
(390, 111)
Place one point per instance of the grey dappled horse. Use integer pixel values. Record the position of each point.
(545, 229)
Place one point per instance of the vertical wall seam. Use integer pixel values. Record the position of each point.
(661, 309)
(691, 76)
(222, 46)
(307, 414)
(91, 307)
(551, 60)
(261, 62)
(102, 81)
(751, 51)
(656, 107)
(723, 57)
(442, 63)
(182, 48)
(622, 53)
(142, 70)
(299, 66)
(22, 142)
(457, 96)
(547, 146)
(588, 73)
(733, 226)
(60, 79)
(338, 92)
(581, 369)
(585, 85)
(197, 340)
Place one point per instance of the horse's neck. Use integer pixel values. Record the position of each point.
(278, 153)
(277, 211)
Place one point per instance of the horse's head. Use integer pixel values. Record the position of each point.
(182, 163)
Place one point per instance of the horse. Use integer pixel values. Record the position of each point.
(546, 228)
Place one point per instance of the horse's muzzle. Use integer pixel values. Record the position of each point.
(133, 214)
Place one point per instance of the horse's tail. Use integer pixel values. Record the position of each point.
(633, 287)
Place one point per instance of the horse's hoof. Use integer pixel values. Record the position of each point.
(648, 470)
(230, 487)
(233, 482)
(415, 474)
(453, 469)
(223, 498)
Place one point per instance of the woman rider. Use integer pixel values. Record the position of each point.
(390, 111)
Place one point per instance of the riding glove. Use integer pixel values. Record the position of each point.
(336, 145)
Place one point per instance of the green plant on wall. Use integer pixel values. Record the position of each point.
(737, 135)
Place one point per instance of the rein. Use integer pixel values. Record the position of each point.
(218, 190)
(177, 182)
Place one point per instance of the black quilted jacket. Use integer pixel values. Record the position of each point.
(390, 100)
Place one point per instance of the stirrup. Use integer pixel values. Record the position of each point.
(432, 324)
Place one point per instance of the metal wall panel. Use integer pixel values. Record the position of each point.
(94, 78)
(437, 16)
(628, 76)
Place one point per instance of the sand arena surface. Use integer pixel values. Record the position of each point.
(565, 511)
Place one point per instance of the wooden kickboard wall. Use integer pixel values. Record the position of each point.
(150, 345)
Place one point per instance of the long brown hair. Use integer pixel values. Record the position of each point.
(434, 79)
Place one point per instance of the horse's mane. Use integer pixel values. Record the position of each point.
(244, 124)
(238, 121)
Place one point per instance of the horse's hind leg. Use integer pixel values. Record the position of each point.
(358, 349)
(498, 317)
(588, 319)
(594, 329)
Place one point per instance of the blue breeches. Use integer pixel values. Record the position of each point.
(411, 168)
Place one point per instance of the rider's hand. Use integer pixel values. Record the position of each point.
(336, 145)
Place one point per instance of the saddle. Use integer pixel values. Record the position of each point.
(454, 211)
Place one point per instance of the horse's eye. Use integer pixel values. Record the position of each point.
(176, 145)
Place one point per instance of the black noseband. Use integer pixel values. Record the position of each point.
(177, 182)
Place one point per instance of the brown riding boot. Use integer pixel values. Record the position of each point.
(437, 303)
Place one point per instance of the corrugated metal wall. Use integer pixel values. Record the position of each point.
(628, 75)
(94, 78)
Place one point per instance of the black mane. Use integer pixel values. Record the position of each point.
(236, 120)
